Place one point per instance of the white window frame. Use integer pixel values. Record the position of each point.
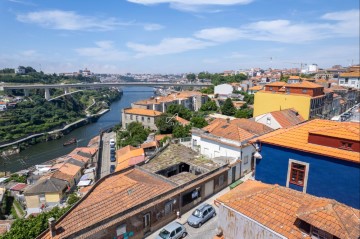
(306, 176)
(147, 219)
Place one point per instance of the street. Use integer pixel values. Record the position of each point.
(105, 157)
(207, 230)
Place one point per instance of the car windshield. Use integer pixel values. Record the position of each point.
(197, 213)
(164, 234)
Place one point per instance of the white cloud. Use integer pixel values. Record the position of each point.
(168, 46)
(194, 5)
(153, 27)
(69, 20)
(338, 24)
(105, 51)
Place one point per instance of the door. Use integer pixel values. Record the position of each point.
(209, 188)
(233, 173)
(206, 215)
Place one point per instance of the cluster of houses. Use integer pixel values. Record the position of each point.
(9, 102)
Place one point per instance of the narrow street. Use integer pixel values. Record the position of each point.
(105, 157)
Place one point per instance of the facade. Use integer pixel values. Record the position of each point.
(3, 106)
(305, 97)
(140, 200)
(313, 157)
(192, 100)
(223, 90)
(255, 89)
(144, 116)
(258, 210)
(350, 79)
(280, 119)
(225, 139)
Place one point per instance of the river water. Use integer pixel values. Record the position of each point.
(45, 151)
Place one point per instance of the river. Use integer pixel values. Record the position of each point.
(45, 151)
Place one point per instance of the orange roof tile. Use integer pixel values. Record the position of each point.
(124, 160)
(170, 97)
(149, 144)
(182, 121)
(69, 169)
(355, 74)
(111, 196)
(344, 131)
(79, 158)
(288, 117)
(276, 83)
(278, 208)
(257, 87)
(159, 137)
(63, 176)
(137, 111)
(294, 78)
(297, 138)
(86, 150)
(304, 84)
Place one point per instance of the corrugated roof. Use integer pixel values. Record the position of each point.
(278, 208)
(297, 138)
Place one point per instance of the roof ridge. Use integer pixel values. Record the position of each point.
(339, 218)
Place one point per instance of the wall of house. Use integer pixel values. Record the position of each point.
(272, 123)
(333, 142)
(327, 177)
(235, 225)
(32, 201)
(147, 121)
(266, 102)
(214, 149)
(52, 197)
(223, 89)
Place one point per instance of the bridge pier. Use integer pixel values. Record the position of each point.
(47, 93)
(26, 92)
(67, 90)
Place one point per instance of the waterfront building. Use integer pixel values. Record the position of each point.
(144, 116)
(258, 210)
(305, 97)
(319, 157)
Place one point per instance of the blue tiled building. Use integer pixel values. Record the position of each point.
(319, 157)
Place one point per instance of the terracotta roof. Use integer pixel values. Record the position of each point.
(124, 150)
(149, 144)
(69, 169)
(297, 138)
(343, 131)
(46, 184)
(86, 150)
(137, 111)
(294, 78)
(257, 87)
(182, 121)
(18, 187)
(169, 98)
(304, 84)
(129, 158)
(278, 208)
(110, 197)
(63, 176)
(79, 158)
(237, 129)
(159, 137)
(355, 74)
(288, 117)
(276, 83)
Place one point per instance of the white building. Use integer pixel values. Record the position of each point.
(2, 106)
(223, 90)
(280, 119)
(350, 79)
(229, 139)
(312, 68)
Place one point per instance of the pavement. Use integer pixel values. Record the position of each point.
(105, 157)
(207, 230)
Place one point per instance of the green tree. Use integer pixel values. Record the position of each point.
(209, 106)
(181, 131)
(204, 75)
(165, 123)
(135, 134)
(191, 77)
(198, 122)
(244, 113)
(180, 110)
(207, 90)
(228, 108)
(72, 199)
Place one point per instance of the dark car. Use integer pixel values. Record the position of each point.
(112, 168)
(112, 158)
(201, 215)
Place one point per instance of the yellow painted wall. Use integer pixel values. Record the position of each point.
(32, 201)
(268, 102)
(52, 197)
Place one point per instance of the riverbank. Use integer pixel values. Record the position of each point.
(16, 146)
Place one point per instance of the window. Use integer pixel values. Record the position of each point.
(246, 159)
(148, 119)
(316, 233)
(168, 207)
(172, 234)
(304, 90)
(297, 174)
(131, 117)
(178, 230)
(146, 220)
(270, 88)
(346, 145)
(268, 120)
(221, 180)
(142, 118)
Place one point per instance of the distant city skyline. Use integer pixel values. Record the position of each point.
(177, 36)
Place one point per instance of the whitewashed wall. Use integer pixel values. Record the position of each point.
(272, 123)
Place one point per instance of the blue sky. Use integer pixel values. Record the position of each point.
(174, 36)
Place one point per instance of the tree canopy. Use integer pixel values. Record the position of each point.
(191, 77)
(228, 108)
(134, 135)
(209, 106)
(198, 122)
(180, 110)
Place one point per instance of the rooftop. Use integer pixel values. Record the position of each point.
(46, 184)
(137, 111)
(129, 158)
(280, 208)
(169, 98)
(287, 118)
(297, 138)
(110, 197)
(177, 155)
(304, 84)
(257, 87)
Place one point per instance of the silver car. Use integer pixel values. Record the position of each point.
(201, 215)
(172, 231)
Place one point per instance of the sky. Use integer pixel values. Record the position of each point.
(177, 36)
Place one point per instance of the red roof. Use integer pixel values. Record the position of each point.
(18, 187)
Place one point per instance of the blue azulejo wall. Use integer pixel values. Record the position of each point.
(327, 177)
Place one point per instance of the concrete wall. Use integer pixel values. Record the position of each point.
(235, 226)
(147, 121)
(266, 102)
(327, 177)
(223, 89)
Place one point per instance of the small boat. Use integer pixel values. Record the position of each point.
(70, 141)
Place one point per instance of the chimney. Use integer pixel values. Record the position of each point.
(228, 120)
(52, 226)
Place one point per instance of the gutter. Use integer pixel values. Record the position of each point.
(252, 220)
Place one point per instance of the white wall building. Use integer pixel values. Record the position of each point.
(280, 119)
(350, 79)
(223, 89)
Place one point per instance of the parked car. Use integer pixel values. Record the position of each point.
(201, 215)
(112, 150)
(112, 168)
(172, 231)
(112, 158)
(112, 143)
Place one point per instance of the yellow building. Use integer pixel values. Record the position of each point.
(307, 98)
